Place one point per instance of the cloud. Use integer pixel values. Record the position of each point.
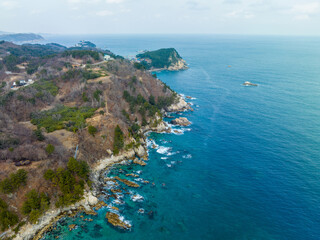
(104, 13)
(194, 5)
(240, 14)
(305, 11)
(114, 1)
(232, 1)
(9, 5)
(308, 8)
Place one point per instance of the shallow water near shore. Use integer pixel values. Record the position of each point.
(248, 167)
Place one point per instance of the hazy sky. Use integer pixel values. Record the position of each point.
(298, 17)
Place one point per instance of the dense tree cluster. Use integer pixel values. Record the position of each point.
(118, 143)
(7, 218)
(35, 204)
(14, 181)
(70, 181)
(82, 53)
(92, 130)
(161, 58)
(62, 117)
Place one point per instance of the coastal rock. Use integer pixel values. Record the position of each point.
(92, 200)
(132, 175)
(140, 162)
(249, 84)
(100, 204)
(140, 151)
(180, 106)
(114, 220)
(115, 208)
(72, 227)
(179, 65)
(182, 121)
(127, 182)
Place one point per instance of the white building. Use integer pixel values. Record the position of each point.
(107, 57)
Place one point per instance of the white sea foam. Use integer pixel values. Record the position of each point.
(118, 202)
(177, 131)
(137, 198)
(187, 156)
(121, 218)
(169, 165)
(110, 185)
(172, 153)
(164, 158)
(164, 150)
(152, 143)
(141, 211)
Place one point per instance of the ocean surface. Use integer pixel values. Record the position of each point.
(249, 165)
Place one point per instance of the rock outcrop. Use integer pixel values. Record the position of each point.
(182, 121)
(180, 65)
(114, 220)
(127, 182)
(180, 106)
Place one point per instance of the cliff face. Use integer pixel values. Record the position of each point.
(162, 59)
(74, 99)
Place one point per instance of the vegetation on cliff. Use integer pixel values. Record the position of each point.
(13, 182)
(35, 204)
(75, 100)
(62, 117)
(159, 59)
(70, 181)
(7, 217)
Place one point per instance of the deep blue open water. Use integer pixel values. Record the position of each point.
(249, 165)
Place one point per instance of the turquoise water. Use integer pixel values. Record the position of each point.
(248, 167)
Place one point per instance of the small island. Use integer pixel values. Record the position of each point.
(162, 59)
(21, 37)
(249, 84)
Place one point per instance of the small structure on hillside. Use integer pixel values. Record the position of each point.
(107, 57)
(21, 83)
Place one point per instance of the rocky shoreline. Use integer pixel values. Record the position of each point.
(180, 65)
(90, 199)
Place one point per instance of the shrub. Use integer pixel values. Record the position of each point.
(70, 181)
(62, 117)
(50, 149)
(35, 204)
(45, 85)
(14, 181)
(97, 94)
(38, 134)
(84, 97)
(152, 101)
(82, 53)
(7, 218)
(118, 140)
(92, 130)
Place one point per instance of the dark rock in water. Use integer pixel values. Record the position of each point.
(97, 227)
(127, 182)
(114, 220)
(72, 227)
(151, 214)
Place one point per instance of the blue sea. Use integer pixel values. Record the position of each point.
(248, 167)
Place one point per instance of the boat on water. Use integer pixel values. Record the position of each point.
(247, 83)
